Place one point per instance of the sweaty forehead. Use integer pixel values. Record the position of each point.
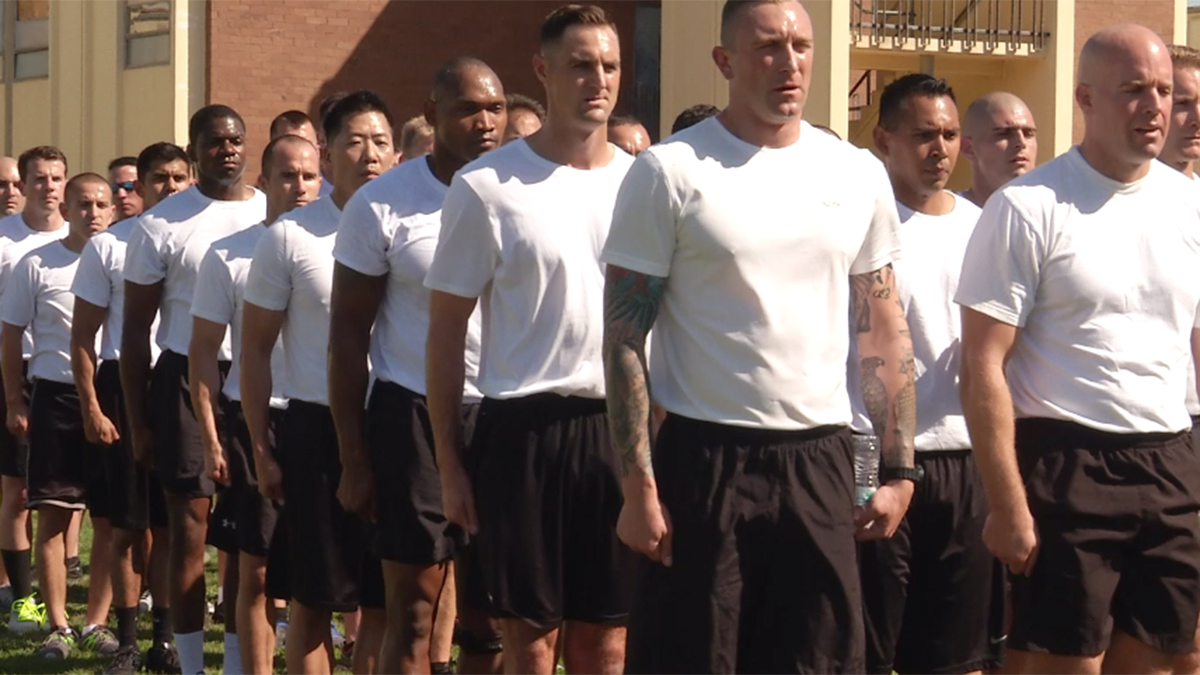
(224, 127)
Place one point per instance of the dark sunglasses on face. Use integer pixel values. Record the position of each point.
(126, 186)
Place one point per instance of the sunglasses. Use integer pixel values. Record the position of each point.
(126, 186)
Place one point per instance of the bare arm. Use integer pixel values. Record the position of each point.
(445, 373)
(260, 331)
(631, 303)
(355, 301)
(14, 386)
(889, 392)
(204, 379)
(141, 305)
(86, 320)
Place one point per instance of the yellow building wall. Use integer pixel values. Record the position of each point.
(1193, 28)
(688, 76)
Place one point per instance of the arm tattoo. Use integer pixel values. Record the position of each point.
(874, 394)
(631, 302)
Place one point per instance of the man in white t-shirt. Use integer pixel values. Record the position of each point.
(330, 565)
(43, 172)
(37, 298)
(380, 307)
(522, 229)
(161, 264)
(932, 594)
(136, 501)
(1079, 300)
(755, 234)
(122, 178)
(11, 199)
(999, 142)
(291, 178)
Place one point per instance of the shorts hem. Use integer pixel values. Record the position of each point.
(326, 606)
(1177, 646)
(1055, 650)
(985, 664)
(32, 504)
(413, 560)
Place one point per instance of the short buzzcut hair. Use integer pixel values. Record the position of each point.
(523, 102)
(157, 155)
(449, 76)
(557, 22)
(623, 121)
(86, 178)
(692, 116)
(289, 119)
(206, 116)
(122, 161)
(268, 155)
(733, 9)
(47, 153)
(1183, 56)
(413, 129)
(356, 103)
(891, 101)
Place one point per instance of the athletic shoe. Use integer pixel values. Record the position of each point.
(101, 641)
(27, 614)
(6, 597)
(162, 658)
(58, 644)
(218, 613)
(127, 661)
(146, 602)
(74, 568)
(336, 635)
(281, 635)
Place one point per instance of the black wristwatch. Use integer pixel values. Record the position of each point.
(888, 474)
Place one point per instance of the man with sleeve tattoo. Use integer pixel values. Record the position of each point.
(744, 278)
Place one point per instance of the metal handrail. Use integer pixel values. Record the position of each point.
(991, 24)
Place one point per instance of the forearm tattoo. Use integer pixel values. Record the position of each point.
(631, 303)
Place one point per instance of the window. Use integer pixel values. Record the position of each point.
(31, 46)
(147, 33)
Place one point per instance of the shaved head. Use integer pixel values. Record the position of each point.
(1120, 42)
(985, 110)
(999, 142)
(449, 80)
(11, 200)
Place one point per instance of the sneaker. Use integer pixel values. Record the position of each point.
(101, 641)
(281, 635)
(58, 644)
(218, 613)
(74, 569)
(146, 602)
(338, 639)
(27, 614)
(6, 598)
(127, 661)
(162, 658)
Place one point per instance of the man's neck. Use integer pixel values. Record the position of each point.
(578, 148)
(75, 242)
(234, 192)
(42, 222)
(1111, 167)
(1183, 166)
(741, 122)
(443, 164)
(937, 203)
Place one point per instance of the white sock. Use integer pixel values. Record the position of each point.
(233, 655)
(220, 594)
(191, 652)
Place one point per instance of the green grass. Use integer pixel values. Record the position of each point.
(17, 651)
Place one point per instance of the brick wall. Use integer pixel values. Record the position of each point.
(266, 56)
(1092, 15)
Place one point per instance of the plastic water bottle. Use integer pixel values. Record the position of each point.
(866, 467)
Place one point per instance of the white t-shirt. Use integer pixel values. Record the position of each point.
(168, 244)
(1100, 277)
(39, 296)
(1192, 397)
(524, 235)
(17, 239)
(390, 226)
(219, 297)
(926, 279)
(757, 246)
(292, 271)
(100, 280)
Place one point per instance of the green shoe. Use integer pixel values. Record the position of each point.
(27, 615)
(58, 645)
(100, 640)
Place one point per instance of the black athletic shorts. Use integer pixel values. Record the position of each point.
(764, 576)
(470, 586)
(933, 594)
(59, 454)
(14, 451)
(330, 563)
(135, 496)
(245, 519)
(178, 443)
(547, 495)
(1119, 539)
(412, 528)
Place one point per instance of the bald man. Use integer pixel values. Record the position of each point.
(999, 142)
(11, 199)
(1079, 300)
(628, 134)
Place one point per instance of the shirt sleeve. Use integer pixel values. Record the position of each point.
(19, 302)
(468, 250)
(645, 220)
(881, 246)
(1002, 266)
(145, 257)
(360, 243)
(92, 283)
(213, 298)
(269, 283)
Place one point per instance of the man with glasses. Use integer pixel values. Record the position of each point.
(122, 177)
